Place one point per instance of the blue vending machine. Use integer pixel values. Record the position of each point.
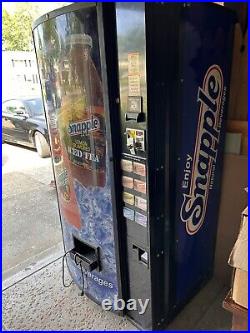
(135, 96)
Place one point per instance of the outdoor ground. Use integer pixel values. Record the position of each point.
(33, 295)
(31, 227)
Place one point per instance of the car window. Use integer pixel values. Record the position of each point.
(13, 106)
(35, 106)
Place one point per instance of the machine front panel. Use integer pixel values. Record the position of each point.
(68, 56)
(131, 43)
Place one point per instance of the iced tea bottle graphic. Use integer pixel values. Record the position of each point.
(84, 137)
(67, 198)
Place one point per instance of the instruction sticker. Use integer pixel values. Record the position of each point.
(133, 63)
(134, 85)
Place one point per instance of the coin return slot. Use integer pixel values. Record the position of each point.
(138, 117)
(142, 255)
(85, 255)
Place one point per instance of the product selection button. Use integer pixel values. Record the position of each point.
(128, 213)
(127, 182)
(140, 186)
(141, 203)
(141, 219)
(128, 198)
(127, 165)
(139, 169)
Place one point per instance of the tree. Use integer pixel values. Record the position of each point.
(17, 34)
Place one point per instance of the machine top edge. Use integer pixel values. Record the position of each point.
(60, 11)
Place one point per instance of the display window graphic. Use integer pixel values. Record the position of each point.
(135, 140)
(69, 62)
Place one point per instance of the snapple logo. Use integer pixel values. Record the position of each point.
(84, 127)
(194, 204)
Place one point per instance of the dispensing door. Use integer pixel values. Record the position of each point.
(68, 54)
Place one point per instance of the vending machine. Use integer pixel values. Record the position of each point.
(135, 96)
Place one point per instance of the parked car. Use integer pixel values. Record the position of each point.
(23, 122)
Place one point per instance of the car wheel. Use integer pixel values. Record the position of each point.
(42, 146)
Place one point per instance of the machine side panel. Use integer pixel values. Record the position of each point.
(206, 33)
(68, 54)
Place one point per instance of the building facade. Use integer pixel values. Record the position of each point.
(20, 74)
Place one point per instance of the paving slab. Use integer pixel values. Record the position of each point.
(40, 302)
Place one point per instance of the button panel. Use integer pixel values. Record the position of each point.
(134, 190)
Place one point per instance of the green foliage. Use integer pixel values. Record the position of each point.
(16, 27)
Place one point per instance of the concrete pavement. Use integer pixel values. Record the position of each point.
(30, 215)
(40, 302)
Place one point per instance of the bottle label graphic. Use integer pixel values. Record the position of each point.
(81, 120)
(66, 193)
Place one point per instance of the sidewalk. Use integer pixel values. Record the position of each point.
(40, 302)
